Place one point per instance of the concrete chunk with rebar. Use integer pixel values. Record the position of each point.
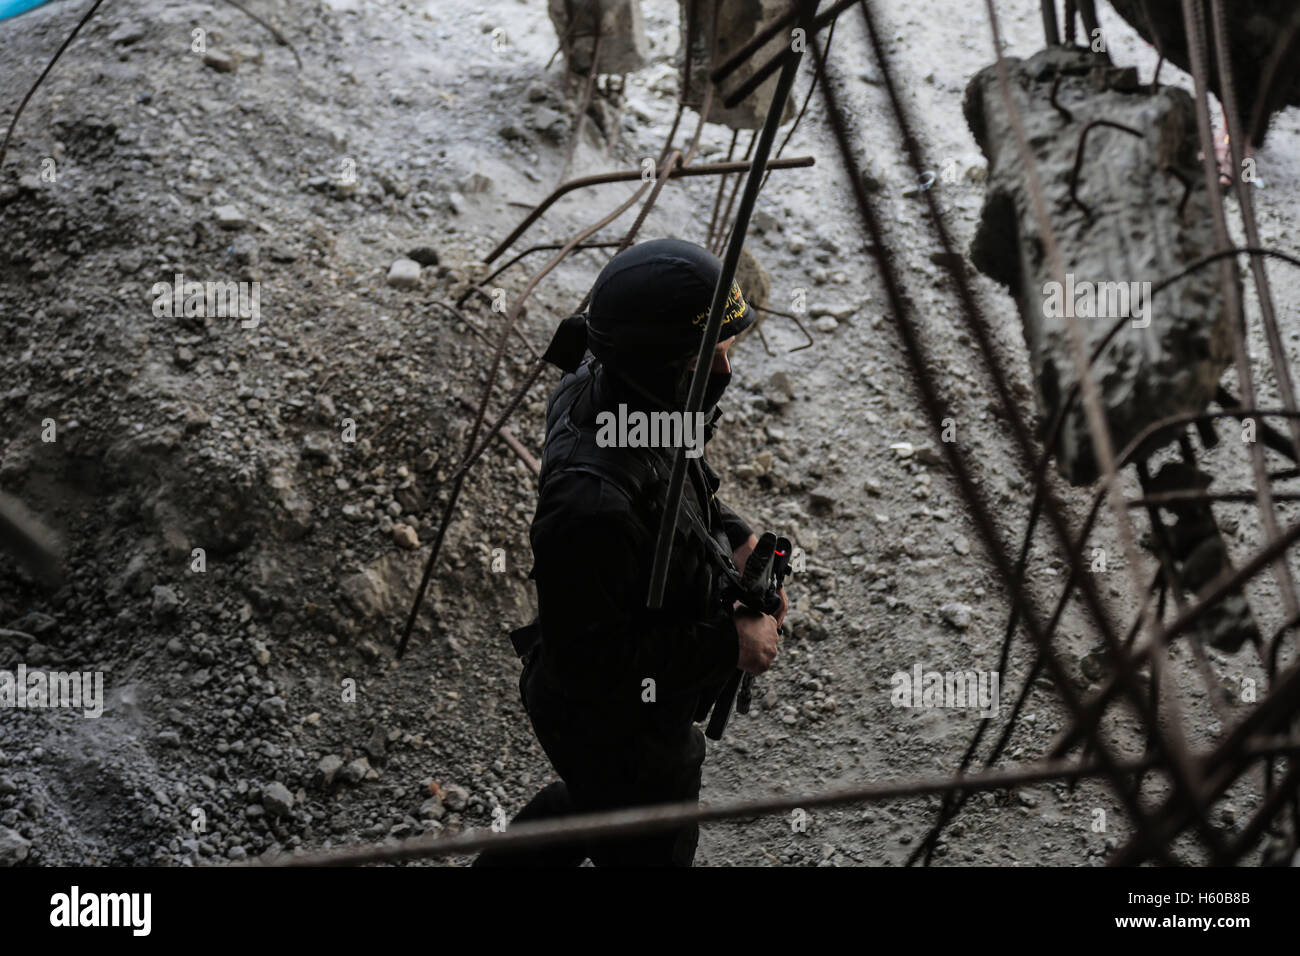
(1117, 163)
(623, 44)
(738, 22)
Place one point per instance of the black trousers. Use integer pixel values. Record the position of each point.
(607, 762)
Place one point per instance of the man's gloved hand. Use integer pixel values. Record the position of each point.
(740, 555)
(759, 638)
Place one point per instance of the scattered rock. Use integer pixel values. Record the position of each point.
(244, 250)
(166, 604)
(404, 274)
(926, 455)
(247, 53)
(806, 626)
(1093, 665)
(35, 623)
(780, 383)
(376, 746)
(277, 799)
(329, 767)
(872, 180)
(822, 497)
(126, 34)
(14, 847)
(221, 61)
(956, 615)
(455, 797)
(839, 312)
(475, 182)
(404, 536)
(356, 771)
(230, 217)
(272, 708)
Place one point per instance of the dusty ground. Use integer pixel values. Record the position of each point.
(229, 690)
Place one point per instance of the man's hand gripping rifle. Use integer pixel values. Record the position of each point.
(759, 589)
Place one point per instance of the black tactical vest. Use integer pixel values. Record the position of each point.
(701, 557)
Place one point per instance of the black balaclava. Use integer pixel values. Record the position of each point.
(649, 306)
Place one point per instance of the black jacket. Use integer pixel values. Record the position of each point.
(593, 544)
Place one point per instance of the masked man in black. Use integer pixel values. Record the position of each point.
(613, 689)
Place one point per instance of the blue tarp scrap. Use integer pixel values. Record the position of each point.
(11, 8)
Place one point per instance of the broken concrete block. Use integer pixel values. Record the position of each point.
(623, 44)
(1142, 214)
(738, 22)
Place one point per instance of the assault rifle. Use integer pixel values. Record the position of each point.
(759, 589)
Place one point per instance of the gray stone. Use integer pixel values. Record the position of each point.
(455, 797)
(14, 847)
(126, 34)
(356, 771)
(366, 591)
(822, 497)
(404, 274)
(245, 251)
(836, 310)
(166, 604)
(277, 799)
(780, 383)
(230, 217)
(475, 182)
(221, 61)
(404, 536)
(956, 615)
(329, 767)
